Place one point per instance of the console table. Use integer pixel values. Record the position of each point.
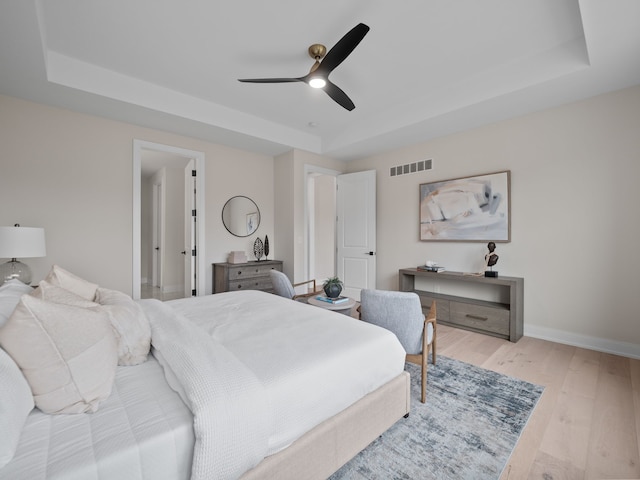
(500, 316)
(244, 276)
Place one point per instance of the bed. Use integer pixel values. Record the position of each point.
(236, 385)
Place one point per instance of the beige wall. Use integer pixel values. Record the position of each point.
(72, 174)
(574, 194)
(284, 211)
(575, 225)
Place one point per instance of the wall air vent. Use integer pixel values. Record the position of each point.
(414, 167)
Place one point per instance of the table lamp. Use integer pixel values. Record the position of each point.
(21, 242)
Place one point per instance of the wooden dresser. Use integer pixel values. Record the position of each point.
(228, 277)
(487, 305)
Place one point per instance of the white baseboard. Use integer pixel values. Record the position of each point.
(624, 349)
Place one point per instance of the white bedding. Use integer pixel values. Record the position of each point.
(142, 431)
(312, 362)
(309, 364)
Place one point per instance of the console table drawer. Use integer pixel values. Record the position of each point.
(442, 306)
(481, 317)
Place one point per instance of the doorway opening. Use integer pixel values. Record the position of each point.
(168, 222)
(320, 215)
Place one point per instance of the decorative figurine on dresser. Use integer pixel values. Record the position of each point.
(258, 248)
(490, 259)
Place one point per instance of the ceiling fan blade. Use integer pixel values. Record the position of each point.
(342, 49)
(338, 95)
(270, 80)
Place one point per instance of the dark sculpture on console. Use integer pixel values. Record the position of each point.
(490, 259)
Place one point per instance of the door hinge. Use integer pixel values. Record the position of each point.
(193, 292)
(193, 252)
(193, 213)
(193, 173)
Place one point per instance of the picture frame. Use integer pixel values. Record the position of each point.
(467, 209)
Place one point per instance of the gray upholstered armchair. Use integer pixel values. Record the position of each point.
(401, 312)
(282, 286)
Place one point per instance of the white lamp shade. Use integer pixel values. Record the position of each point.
(22, 242)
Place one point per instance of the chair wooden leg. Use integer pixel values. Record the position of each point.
(423, 396)
(433, 351)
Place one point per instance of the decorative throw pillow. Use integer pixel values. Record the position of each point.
(10, 293)
(16, 402)
(130, 323)
(68, 354)
(65, 279)
(53, 293)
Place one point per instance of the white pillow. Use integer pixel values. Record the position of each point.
(62, 278)
(68, 354)
(130, 323)
(16, 402)
(53, 293)
(10, 293)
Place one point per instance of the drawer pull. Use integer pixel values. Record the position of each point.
(477, 317)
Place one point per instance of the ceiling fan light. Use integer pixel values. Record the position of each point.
(317, 82)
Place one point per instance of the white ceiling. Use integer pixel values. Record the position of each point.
(427, 67)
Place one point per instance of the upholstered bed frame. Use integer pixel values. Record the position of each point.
(323, 450)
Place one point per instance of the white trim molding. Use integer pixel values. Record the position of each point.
(605, 345)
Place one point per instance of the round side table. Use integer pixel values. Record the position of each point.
(342, 307)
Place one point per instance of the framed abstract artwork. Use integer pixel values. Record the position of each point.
(469, 209)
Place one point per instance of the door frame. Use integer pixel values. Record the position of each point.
(190, 266)
(199, 157)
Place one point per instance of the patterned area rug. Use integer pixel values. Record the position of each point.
(467, 429)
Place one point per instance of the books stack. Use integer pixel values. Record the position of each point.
(332, 300)
(431, 268)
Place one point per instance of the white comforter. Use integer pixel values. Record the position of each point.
(279, 368)
(256, 370)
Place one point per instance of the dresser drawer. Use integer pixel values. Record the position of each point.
(250, 271)
(251, 283)
(480, 317)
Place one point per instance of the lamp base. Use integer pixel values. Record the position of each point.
(15, 269)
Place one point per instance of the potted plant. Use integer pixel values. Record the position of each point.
(332, 287)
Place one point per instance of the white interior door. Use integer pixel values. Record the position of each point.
(356, 231)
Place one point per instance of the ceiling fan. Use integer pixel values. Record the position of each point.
(318, 76)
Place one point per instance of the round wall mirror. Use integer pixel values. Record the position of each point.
(241, 216)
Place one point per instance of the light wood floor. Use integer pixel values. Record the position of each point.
(587, 422)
